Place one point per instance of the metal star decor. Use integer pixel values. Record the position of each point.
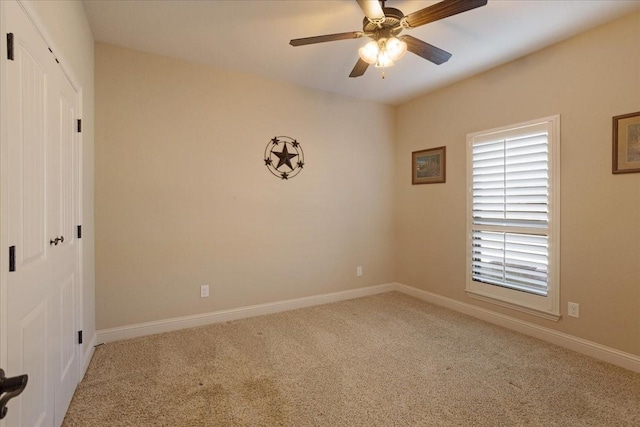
(284, 157)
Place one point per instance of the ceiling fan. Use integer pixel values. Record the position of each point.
(383, 25)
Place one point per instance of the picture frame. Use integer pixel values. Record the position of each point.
(429, 166)
(626, 143)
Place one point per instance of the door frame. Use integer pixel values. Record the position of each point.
(32, 14)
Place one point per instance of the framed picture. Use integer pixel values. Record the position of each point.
(429, 166)
(626, 143)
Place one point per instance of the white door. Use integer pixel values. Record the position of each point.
(42, 187)
(63, 219)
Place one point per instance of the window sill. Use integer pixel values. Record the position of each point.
(545, 315)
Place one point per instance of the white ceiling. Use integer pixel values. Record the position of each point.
(252, 36)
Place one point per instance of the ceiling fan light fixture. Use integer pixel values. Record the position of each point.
(383, 52)
(395, 48)
(384, 60)
(369, 52)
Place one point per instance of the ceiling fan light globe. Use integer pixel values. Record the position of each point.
(395, 48)
(369, 52)
(384, 60)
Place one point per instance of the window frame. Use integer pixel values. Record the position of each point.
(548, 306)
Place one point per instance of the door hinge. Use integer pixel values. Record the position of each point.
(79, 232)
(79, 125)
(79, 337)
(12, 258)
(54, 55)
(10, 46)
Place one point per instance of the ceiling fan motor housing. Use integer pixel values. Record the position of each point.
(390, 26)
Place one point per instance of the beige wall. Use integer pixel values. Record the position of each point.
(183, 197)
(587, 80)
(68, 30)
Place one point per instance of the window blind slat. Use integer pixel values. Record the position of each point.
(526, 198)
(528, 165)
(518, 177)
(531, 216)
(541, 183)
(488, 192)
(497, 170)
(496, 161)
(514, 151)
(499, 222)
(537, 211)
(527, 191)
(489, 147)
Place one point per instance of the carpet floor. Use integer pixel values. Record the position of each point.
(383, 360)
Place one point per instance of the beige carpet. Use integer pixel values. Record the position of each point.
(385, 360)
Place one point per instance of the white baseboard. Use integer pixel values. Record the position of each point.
(88, 354)
(166, 325)
(589, 348)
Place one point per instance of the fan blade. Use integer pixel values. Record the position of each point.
(371, 9)
(441, 10)
(359, 69)
(326, 38)
(426, 50)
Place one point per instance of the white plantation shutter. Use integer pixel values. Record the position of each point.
(516, 261)
(510, 202)
(510, 182)
(510, 190)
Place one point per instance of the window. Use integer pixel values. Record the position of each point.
(513, 249)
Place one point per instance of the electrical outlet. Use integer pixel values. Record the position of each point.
(204, 291)
(359, 271)
(574, 309)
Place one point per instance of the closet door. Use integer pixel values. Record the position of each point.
(42, 187)
(63, 218)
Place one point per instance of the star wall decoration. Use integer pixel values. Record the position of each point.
(284, 157)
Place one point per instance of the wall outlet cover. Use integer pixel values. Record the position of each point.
(573, 309)
(204, 291)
